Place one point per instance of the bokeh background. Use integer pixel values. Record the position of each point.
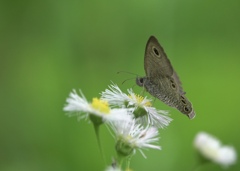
(49, 47)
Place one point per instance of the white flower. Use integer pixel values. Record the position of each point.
(79, 106)
(156, 117)
(141, 107)
(212, 149)
(132, 136)
(115, 96)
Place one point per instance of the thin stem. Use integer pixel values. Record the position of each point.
(128, 162)
(96, 129)
(120, 160)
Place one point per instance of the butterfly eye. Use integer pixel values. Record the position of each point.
(173, 84)
(155, 51)
(186, 109)
(141, 80)
(183, 100)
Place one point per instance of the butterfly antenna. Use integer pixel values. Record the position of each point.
(127, 73)
(127, 80)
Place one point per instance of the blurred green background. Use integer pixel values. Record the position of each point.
(49, 47)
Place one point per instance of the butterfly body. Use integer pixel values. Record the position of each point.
(161, 80)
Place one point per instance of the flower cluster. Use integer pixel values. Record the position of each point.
(135, 124)
(132, 119)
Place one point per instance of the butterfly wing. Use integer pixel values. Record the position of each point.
(160, 72)
(157, 65)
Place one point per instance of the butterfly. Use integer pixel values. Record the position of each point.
(161, 81)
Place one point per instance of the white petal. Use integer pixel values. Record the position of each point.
(75, 103)
(227, 156)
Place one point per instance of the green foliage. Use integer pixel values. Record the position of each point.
(50, 47)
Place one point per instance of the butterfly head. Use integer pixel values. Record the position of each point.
(140, 81)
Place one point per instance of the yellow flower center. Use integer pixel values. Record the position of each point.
(140, 99)
(100, 105)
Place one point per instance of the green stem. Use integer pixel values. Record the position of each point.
(96, 129)
(120, 160)
(128, 161)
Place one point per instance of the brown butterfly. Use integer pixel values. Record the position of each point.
(161, 80)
